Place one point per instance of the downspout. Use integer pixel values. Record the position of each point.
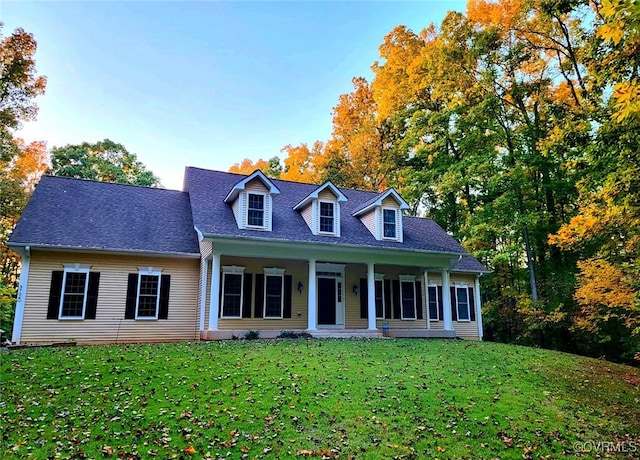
(22, 295)
(478, 305)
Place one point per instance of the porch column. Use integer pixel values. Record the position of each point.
(371, 299)
(312, 301)
(22, 296)
(204, 269)
(426, 297)
(478, 305)
(446, 299)
(214, 301)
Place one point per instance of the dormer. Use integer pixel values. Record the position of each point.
(251, 201)
(321, 209)
(382, 215)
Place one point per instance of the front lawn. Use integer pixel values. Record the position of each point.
(333, 398)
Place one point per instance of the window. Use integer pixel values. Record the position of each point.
(74, 293)
(255, 210)
(326, 217)
(380, 299)
(389, 223)
(462, 300)
(232, 278)
(433, 304)
(408, 297)
(148, 295)
(273, 292)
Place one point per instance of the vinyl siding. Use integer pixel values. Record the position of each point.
(464, 329)
(307, 215)
(110, 325)
(327, 195)
(256, 186)
(369, 221)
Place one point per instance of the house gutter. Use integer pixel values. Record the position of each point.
(18, 247)
(22, 294)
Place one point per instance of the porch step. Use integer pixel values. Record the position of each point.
(345, 333)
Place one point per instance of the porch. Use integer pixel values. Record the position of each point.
(332, 334)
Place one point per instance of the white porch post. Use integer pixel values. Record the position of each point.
(22, 296)
(426, 297)
(312, 301)
(478, 306)
(446, 299)
(204, 269)
(371, 299)
(214, 301)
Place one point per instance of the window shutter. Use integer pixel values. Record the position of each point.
(132, 293)
(397, 314)
(364, 298)
(165, 287)
(92, 295)
(288, 284)
(440, 308)
(472, 305)
(387, 299)
(454, 309)
(259, 297)
(246, 295)
(55, 291)
(220, 294)
(418, 300)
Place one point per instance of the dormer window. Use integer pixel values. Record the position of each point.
(327, 217)
(389, 223)
(255, 210)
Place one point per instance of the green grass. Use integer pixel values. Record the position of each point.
(331, 398)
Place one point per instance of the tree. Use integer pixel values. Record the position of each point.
(104, 161)
(300, 162)
(271, 168)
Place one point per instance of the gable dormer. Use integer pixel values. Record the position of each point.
(251, 201)
(382, 215)
(321, 209)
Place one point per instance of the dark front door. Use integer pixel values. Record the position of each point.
(326, 301)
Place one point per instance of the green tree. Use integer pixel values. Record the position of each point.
(104, 161)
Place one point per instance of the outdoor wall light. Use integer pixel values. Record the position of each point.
(355, 289)
(300, 286)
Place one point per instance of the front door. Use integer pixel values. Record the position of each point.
(327, 301)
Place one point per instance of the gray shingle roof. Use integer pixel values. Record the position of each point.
(65, 212)
(207, 190)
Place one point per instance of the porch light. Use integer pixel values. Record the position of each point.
(300, 286)
(355, 289)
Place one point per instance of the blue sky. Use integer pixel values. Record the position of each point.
(202, 84)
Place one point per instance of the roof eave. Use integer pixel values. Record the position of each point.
(104, 250)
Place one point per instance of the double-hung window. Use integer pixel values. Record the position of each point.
(389, 223)
(148, 298)
(433, 304)
(255, 210)
(327, 219)
(462, 301)
(273, 293)
(232, 280)
(408, 296)
(73, 300)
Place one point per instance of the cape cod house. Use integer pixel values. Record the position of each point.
(230, 253)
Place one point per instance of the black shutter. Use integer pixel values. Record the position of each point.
(472, 305)
(454, 309)
(397, 312)
(288, 285)
(220, 294)
(440, 303)
(246, 295)
(364, 298)
(92, 295)
(55, 291)
(259, 297)
(132, 294)
(418, 300)
(165, 287)
(387, 299)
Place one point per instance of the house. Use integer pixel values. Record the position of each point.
(230, 253)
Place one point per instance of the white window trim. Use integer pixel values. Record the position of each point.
(437, 318)
(335, 215)
(395, 212)
(148, 271)
(408, 279)
(275, 272)
(74, 268)
(462, 286)
(246, 209)
(380, 277)
(232, 270)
